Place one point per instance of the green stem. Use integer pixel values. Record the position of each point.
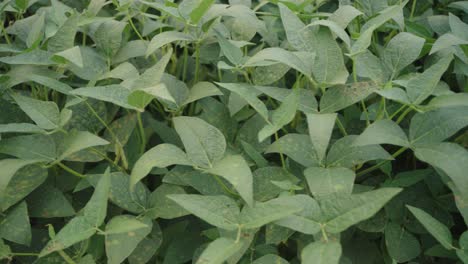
(24, 254)
(341, 127)
(380, 164)
(413, 7)
(65, 257)
(70, 170)
(134, 28)
(197, 60)
(5, 35)
(283, 163)
(403, 115)
(142, 134)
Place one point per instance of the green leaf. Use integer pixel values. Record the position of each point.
(20, 128)
(446, 41)
(45, 114)
(162, 206)
(280, 117)
(123, 224)
(320, 131)
(306, 220)
(72, 55)
(64, 38)
(322, 253)
(115, 94)
(329, 67)
(24, 181)
(120, 245)
(422, 86)
(35, 57)
(96, 209)
(438, 230)
(307, 102)
(402, 246)
(448, 157)
(15, 226)
(76, 230)
(463, 242)
(201, 90)
(264, 213)
(37, 32)
(108, 37)
(438, 125)
(230, 51)
(343, 153)
(51, 83)
(344, 15)
(382, 132)
(203, 142)
(9, 168)
(120, 194)
(48, 201)
(270, 259)
(270, 56)
(5, 250)
(236, 171)
(220, 211)
(297, 147)
(76, 141)
(219, 251)
(161, 156)
(30, 147)
(201, 8)
(326, 181)
(342, 96)
(249, 94)
(264, 188)
(343, 211)
(165, 38)
(401, 51)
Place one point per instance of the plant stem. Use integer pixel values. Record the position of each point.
(70, 170)
(142, 133)
(65, 257)
(134, 28)
(403, 115)
(341, 127)
(197, 61)
(413, 7)
(283, 163)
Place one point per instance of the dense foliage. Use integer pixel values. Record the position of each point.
(198, 131)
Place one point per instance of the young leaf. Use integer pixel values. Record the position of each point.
(161, 156)
(422, 86)
(448, 157)
(45, 114)
(236, 171)
(343, 211)
(401, 51)
(297, 147)
(203, 142)
(220, 211)
(219, 251)
(382, 132)
(342, 96)
(320, 131)
(249, 94)
(435, 228)
(165, 38)
(15, 225)
(326, 181)
(76, 230)
(269, 56)
(264, 213)
(162, 206)
(76, 141)
(436, 126)
(120, 245)
(322, 253)
(281, 116)
(96, 209)
(123, 224)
